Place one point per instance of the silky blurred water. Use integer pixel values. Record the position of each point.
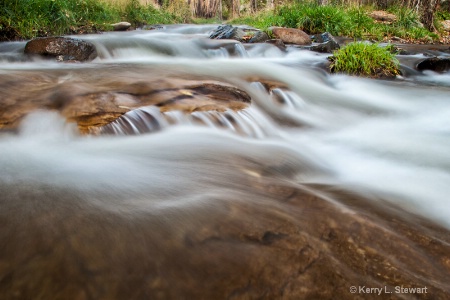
(382, 139)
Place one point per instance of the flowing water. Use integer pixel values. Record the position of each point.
(388, 142)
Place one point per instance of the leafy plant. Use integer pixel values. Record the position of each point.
(365, 59)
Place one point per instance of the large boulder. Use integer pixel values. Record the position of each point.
(93, 97)
(291, 35)
(63, 48)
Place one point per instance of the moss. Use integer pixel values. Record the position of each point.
(365, 59)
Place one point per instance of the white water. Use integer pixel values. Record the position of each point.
(385, 140)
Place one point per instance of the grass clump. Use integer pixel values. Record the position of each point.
(31, 18)
(365, 59)
(43, 17)
(350, 21)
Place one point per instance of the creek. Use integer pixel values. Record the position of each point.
(231, 204)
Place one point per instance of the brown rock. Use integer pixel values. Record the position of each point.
(291, 35)
(280, 243)
(67, 48)
(383, 16)
(93, 98)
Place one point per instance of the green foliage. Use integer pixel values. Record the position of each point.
(442, 15)
(406, 17)
(365, 59)
(138, 14)
(350, 21)
(314, 18)
(42, 17)
(180, 9)
(262, 21)
(31, 18)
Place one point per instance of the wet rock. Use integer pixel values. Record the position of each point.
(72, 49)
(121, 26)
(291, 35)
(328, 43)
(93, 99)
(436, 64)
(153, 27)
(277, 42)
(322, 38)
(327, 47)
(228, 32)
(383, 16)
(259, 37)
(280, 243)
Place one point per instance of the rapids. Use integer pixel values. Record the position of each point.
(387, 142)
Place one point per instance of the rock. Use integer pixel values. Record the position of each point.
(68, 48)
(445, 25)
(328, 43)
(291, 35)
(277, 42)
(259, 37)
(280, 243)
(121, 26)
(327, 47)
(434, 64)
(323, 38)
(92, 98)
(383, 16)
(228, 32)
(153, 27)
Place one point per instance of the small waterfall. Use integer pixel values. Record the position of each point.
(248, 122)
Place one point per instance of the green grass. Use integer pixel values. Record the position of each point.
(31, 18)
(339, 20)
(365, 59)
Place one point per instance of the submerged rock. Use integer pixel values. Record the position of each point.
(63, 47)
(153, 27)
(291, 35)
(277, 42)
(278, 242)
